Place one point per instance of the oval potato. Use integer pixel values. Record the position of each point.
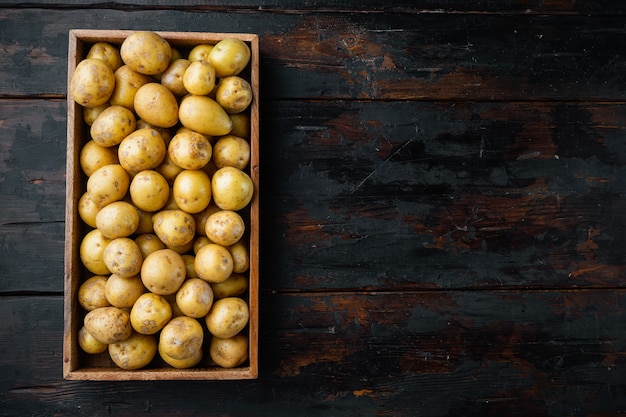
(204, 115)
(108, 324)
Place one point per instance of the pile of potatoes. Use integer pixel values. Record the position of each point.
(166, 160)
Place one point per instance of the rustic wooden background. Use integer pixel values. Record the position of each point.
(443, 208)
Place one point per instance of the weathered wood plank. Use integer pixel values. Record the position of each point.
(359, 56)
(440, 353)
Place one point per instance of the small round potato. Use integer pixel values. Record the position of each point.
(230, 352)
(112, 125)
(183, 249)
(181, 363)
(123, 257)
(150, 313)
(204, 115)
(92, 293)
(231, 151)
(108, 324)
(181, 338)
(234, 94)
(91, 251)
(192, 190)
(203, 216)
(241, 125)
(142, 149)
(195, 297)
(229, 57)
(232, 189)
(149, 191)
(136, 352)
(200, 52)
(107, 53)
(172, 78)
(156, 104)
(94, 156)
(122, 292)
(168, 169)
(213, 263)
(228, 316)
(189, 264)
(127, 82)
(198, 243)
(89, 344)
(146, 52)
(90, 114)
(234, 286)
(108, 184)
(241, 256)
(190, 150)
(148, 243)
(163, 272)
(225, 227)
(199, 78)
(87, 210)
(145, 221)
(118, 219)
(174, 227)
(92, 83)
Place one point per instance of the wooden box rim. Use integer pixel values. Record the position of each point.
(72, 368)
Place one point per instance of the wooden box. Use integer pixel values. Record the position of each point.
(78, 365)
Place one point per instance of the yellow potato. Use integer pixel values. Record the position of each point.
(213, 263)
(200, 52)
(234, 94)
(166, 135)
(149, 191)
(118, 219)
(92, 293)
(189, 264)
(190, 150)
(231, 151)
(202, 217)
(195, 297)
(225, 227)
(172, 78)
(198, 243)
(136, 352)
(108, 184)
(150, 313)
(241, 256)
(192, 190)
(107, 53)
(230, 352)
(168, 169)
(87, 210)
(228, 316)
(92, 250)
(229, 57)
(203, 115)
(181, 338)
(145, 221)
(234, 286)
(127, 82)
(91, 113)
(241, 125)
(122, 292)
(112, 125)
(146, 52)
(182, 249)
(231, 188)
(163, 272)
(94, 156)
(89, 344)
(148, 243)
(182, 363)
(199, 78)
(156, 104)
(174, 227)
(92, 83)
(108, 324)
(123, 257)
(141, 150)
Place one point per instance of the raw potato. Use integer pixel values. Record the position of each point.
(150, 313)
(94, 156)
(157, 105)
(192, 190)
(107, 53)
(231, 151)
(195, 298)
(190, 150)
(89, 344)
(241, 257)
(87, 210)
(148, 243)
(202, 217)
(127, 82)
(204, 115)
(149, 191)
(168, 168)
(123, 292)
(163, 272)
(135, 352)
(229, 57)
(92, 250)
(181, 363)
(199, 78)
(181, 338)
(241, 125)
(231, 352)
(228, 316)
(108, 324)
(92, 83)
(200, 52)
(108, 184)
(232, 188)
(146, 52)
(112, 125)
(234, 94)
(91, 113)
(92, 293)
(118, 219)
(234, 286)
(141, 150)
(123, 257)
(225, 227)
(174, 227)
(172, 78)
(213, 263)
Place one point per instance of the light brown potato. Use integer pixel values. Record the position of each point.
(146, 52)
(172, 78)
(241, 125)
(200, 52)
(141, 150)
(92, 293)
(231, 188)
(136, 352)
(181, 338)
(234, 286)
(231, 151)
(228, 316)
(118, 219)
(122, 292)
(213, 263)
(190, 150)
(92, 83)
(92, 250)
(107, 53)
(231, 352)
(204, 115)
(123, 257)
(229, 57)
(183, 249)
(225, 227)
(202, 217)
(156, 104)
(94, 156)
(148, 243)
(199, 78)
(241, 256)
(165, 132)
(108, 324)
(108, 184)
(150, 313)
(195, 297)
(198, 243)
(145, 221)
(182, 363)
(149, 191)
(234, 94)
(192, 190)
(168, 169)
(87, 210)
(127, 82)
(112, 125)
(189, 265)
(91, 113)
(163, 272)
(89, 344)
(174, 227)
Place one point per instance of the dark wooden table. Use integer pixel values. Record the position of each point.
(442, 198)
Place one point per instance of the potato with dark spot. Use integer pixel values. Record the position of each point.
(92, 293)
(94, 156)
(127, 82)
(156, 104)
(135, 352)
(149, 191)
(107, 53)
(230, 352)
(118, 219)
(190, 150)
(192, 190)
(225, 227)
(89, 344)
(213, 263)
(108, 184)
(123, 257)
(112, 125)
(92, 83)
(108, 324)
(181, 338)
(122, 292)
(141, 150)
(234, 94)
(146, 52)
(174, 227)
(163, 272)
(150, 313)
(228, 316)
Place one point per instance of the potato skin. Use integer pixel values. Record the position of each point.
(163, 272)
(127, 82)
(228, 316)
(108, 184)
(156, 104)
(92, 293)
(229, 57)
(146, 52)
(135, 352)
(118, 219)
(230, 352)
(204, 115)
(141, 150)
(174, 227)
(213, 263)
(181, 338)
(108, 324)
(88, 343)
(112, 125)
(226, 227)
(92, 82)
(232, 189)
(150, 313)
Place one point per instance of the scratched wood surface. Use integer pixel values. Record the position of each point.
(442, 209)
